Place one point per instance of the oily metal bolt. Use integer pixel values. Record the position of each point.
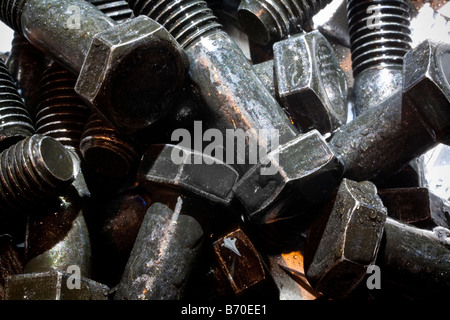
(350, 240)
(306, 168)
(58, 255)
(235, 97)
(268, 21)
(137, 57)
(171, 236)
(379, 37)
(356, 234)
(378, 143)
(416, 206)
(166, 250)
(310, 83)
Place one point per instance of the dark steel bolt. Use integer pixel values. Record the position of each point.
(379, 37)
(106, 150)
(57, 245)
(356, 234)
(146, 64)
(15, 121)
(26, 64)
(268, 21)
(32, 171)
(382, 140)
(344, 242)
(171, 236)
(61, 114)
(237, 99)
(235, 96)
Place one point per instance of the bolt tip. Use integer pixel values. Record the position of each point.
(56, 160)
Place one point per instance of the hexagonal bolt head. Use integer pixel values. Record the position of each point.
(212, 179)
(350, 240)
(310, 82)
(305, 168)
(427, 70)
(131, 73)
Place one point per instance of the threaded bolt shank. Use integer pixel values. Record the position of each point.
(32, 171)
(61, 113)
(268, 21)
(15, 121)
(379, 33)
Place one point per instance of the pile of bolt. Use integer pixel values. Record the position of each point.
(97, 201)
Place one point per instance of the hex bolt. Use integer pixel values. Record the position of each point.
(235, 96)
(379, 37)
(372, 147)
(237, 99)
(268, 21)
(23, 58)
(147, 63)
(58, 257)
(107, 151)
(172, 233)
(16, 123)
(61, 114)
(356, 234)
(378, 143)
(33, 172)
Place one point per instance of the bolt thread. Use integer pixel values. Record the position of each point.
(15, 121)
(106, 151)
(32, 171)
(186, 20)
(379, 33)
(280, 17)
(118, 10)
(11, 13)
(61, 114)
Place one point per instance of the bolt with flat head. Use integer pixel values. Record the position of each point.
(237, 99)
(127, 72)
